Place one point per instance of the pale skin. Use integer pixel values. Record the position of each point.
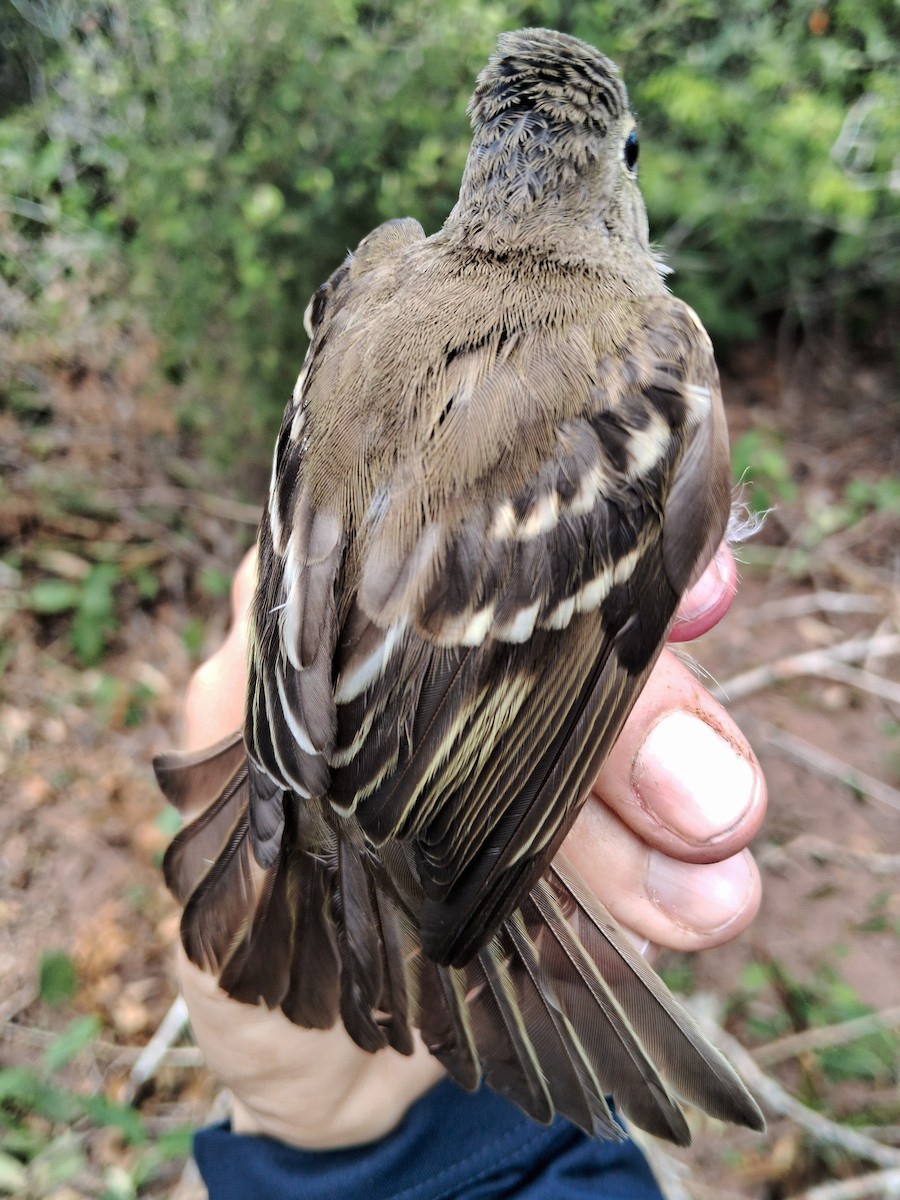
(662, 842)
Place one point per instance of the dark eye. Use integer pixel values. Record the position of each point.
(631, 150)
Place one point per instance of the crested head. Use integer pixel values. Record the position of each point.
(556, 84)
(553, 153)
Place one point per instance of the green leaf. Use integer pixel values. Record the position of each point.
(754, 977)
(58, 977)
(123, 1117)
(51, 596)
(214, 582)
(169, 821)
(69, 1044)
(13, 1175)
(146, 582)
(57, 1163)
(23, 1089)
(18, 1086)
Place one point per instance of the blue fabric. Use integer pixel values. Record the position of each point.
(450, 1144)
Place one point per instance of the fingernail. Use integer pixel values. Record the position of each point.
(642, 944)
(704, 898)
(695, 782)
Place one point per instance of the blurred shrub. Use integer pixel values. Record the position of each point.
(226, 155)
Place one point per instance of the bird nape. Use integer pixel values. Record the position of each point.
(504, 462)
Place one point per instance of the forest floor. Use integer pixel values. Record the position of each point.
(116, 548)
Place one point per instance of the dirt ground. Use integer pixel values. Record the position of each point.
(95, 471)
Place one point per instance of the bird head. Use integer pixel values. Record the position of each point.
(554, 153)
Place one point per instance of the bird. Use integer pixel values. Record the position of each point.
(504, 462)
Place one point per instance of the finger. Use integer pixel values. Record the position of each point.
(214, 704)
(708, 600)
(243, 585)
(682, 776)
(662, 900)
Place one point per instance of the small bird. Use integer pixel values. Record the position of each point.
(504, 462)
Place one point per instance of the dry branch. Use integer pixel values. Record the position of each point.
(813, 662)
(774, 1097)
(811, 602)
(863, 1187)
(826, 1036)
(820, 850)
(828, 766)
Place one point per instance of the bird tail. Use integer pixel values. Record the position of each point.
(556, 1012)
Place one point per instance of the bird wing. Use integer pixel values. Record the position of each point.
(510, 646)
(453, 679)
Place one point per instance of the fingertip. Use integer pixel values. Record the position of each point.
(708, 600)
(681, 774)
(698, 778)
(710, 903)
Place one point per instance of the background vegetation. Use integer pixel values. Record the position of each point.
(176, 177)
(209, 162)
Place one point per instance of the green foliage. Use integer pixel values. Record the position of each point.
(824, 999)
(677, 972)
(758, 458)
(213, 162)
(46, 1127)
(91, 601)
(58, 978)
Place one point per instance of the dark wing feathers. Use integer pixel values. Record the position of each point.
(195, 847)
(188, 780)
(556, 1011)
(218, 910)
(313, 995)
(671, 1037)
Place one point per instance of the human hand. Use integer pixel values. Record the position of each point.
(662, 842)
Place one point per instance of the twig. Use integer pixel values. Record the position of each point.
(863, 1187)
(888, 1134)
(184, 1057)
(702, 1191)
(775, 1097)
(810, 602)
(864, 681)
(826, 1036)
(170, 1030)
(813, 662)
(822, 851)
(823, 764)
(170, 496)
(14, 1004)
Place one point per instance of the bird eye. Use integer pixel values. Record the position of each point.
(631, 150)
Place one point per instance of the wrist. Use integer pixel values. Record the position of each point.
(315, 1089)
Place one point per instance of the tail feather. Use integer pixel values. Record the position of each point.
(315, 965)
(624, 1068)
(577, 1092)
(511, 1066)
(395, 939)
(188, 781)
(220, 907)
(444, 1023)
(252, 973)
(196, 846)
(556, 1012)
(361, 959)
